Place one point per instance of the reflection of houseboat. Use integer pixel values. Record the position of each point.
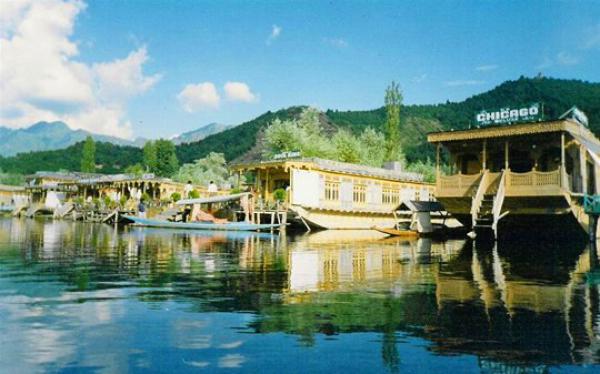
(337, 195)
(519, 176)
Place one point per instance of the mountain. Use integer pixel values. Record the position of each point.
(46, 136)
(245, 141)
(199, 134)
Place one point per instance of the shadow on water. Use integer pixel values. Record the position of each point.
(513, 306)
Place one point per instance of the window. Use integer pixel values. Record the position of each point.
(390, 195)
(359, 193)
(332, 189)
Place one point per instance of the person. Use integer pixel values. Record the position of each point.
(212, 188)
(142, 209)
(198, 215)
(188, 189)
(247, 205)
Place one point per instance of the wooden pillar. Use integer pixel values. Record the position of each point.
(583, 168)
(484, 157)
(437, 162)
(563, 169)
(506, 163)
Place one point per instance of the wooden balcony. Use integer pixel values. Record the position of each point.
(533, 183)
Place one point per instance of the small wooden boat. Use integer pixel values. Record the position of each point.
(229, 226)
(396, 232)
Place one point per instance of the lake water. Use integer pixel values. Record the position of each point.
(96, 298)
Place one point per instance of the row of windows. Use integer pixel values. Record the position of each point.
(389, 195)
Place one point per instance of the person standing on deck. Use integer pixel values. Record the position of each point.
(212, 188)
(142, 209)
(188, 189)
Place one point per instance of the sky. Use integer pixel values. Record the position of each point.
(158, 68)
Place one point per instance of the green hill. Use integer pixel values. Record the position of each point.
(244, 141)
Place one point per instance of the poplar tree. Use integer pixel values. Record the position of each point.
(88, 157)
(150, 156)
(393, 101)
(166, 158)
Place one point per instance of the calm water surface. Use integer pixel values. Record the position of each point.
(95, 298)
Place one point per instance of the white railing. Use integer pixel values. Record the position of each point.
(498, 201)
(478, 197)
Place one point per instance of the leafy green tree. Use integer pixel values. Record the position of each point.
(373, 147)
(88, 157)
(166, 158)
(11, 179)
(136, 169)
(426, 168)
(150, 155)
(348, 148)
(210, 168)
(393, 101)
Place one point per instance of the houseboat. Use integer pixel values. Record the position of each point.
(329, 194)
(519, 178)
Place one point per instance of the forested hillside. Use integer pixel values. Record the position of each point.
(244, 141)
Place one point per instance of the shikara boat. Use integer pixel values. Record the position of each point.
(396, 232)
(166, 221)
(229, 226)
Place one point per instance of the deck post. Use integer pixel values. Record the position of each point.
(506, 155)
(484, 157)
(563, 170)
(582, 168)
(437, 162)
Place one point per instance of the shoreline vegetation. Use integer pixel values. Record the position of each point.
(393, 132)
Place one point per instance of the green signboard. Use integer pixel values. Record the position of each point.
(508, 115)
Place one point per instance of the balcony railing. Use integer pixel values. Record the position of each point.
(516, 184)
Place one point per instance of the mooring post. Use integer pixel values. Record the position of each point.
(593, 227)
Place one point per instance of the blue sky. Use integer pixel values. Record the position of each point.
(327, 54)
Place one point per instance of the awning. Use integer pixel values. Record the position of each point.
(213, 199)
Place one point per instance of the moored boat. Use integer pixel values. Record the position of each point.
(229, 226)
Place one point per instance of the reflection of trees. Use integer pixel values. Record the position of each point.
(510, 305)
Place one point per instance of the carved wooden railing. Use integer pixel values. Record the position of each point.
(458, 184)
(478, 197)
(533, 182)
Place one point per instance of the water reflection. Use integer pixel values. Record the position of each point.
(86, 296)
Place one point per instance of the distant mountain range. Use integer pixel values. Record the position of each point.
(199, 134)
(45, 136)
(246, 141)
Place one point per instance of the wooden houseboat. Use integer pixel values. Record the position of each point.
(336, 195)
(521, 178)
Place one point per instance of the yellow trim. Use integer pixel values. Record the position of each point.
(512, 130)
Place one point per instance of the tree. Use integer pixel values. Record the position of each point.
(166, 159)
(149, 156)
(88, 157)
(393, 101)
(373, 144)
(347, 147)
(210, 168)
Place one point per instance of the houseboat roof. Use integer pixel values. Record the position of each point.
(577, 130)
(9, 188)
(314, 163)
(95, 178)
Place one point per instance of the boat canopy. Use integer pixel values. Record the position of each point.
(421, 206)
(212, 199)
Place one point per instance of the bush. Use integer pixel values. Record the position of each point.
(145, 198)
(280, 194)
(175, 196)
(123, 200)
(194, 194)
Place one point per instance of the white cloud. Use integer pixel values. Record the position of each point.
(486, 67)
(463, 82)
(275, 32)
(562, 58)
(565, 58)
(195, 97)
(336, 42)
(419, 78)
(40, 78)
(239, 91)
(591, 38)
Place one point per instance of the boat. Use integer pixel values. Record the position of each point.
(229, 226)
(396, 232)
(174, 218)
